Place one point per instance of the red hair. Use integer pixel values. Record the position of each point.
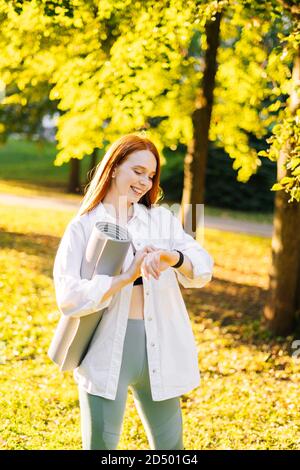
(97, 188)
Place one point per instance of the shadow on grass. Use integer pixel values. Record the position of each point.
(36, 244)
(238, 310)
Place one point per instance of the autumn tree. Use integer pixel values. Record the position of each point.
(185, 72)
(283, 308)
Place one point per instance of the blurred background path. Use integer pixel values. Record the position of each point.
(221, 223)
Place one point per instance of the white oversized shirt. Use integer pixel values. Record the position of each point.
(171, 347)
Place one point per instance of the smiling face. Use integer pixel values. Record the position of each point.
(134, 176)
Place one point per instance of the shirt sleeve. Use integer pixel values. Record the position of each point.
(201, 260)
(77, 297)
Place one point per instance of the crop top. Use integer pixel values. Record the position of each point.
(138, 280)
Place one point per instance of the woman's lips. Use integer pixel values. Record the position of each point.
(135, 192)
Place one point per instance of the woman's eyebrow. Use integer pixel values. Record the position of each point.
(144, 168)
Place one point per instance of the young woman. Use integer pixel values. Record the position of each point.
(144, 339)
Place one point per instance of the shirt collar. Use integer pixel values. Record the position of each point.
(139, 211)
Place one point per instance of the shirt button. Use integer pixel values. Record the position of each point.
(150, 318)
(147, 292)
(152, 344)
(154, 370)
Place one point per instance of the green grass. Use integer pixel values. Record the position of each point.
(248, 398)
(26, 168)
(31, 163)
(264, 218)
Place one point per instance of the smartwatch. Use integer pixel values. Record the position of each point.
(181, 258)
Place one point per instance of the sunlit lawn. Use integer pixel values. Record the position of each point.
(249, 394)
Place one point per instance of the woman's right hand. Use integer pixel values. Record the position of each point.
(134, 270)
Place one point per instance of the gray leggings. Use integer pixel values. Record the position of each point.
(101, 418)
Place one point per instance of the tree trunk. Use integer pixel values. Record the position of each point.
(196, 157)
(283, 306)
(74, 176)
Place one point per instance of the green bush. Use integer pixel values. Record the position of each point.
(222, 188)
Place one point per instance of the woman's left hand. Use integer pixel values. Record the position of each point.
(157, 261)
